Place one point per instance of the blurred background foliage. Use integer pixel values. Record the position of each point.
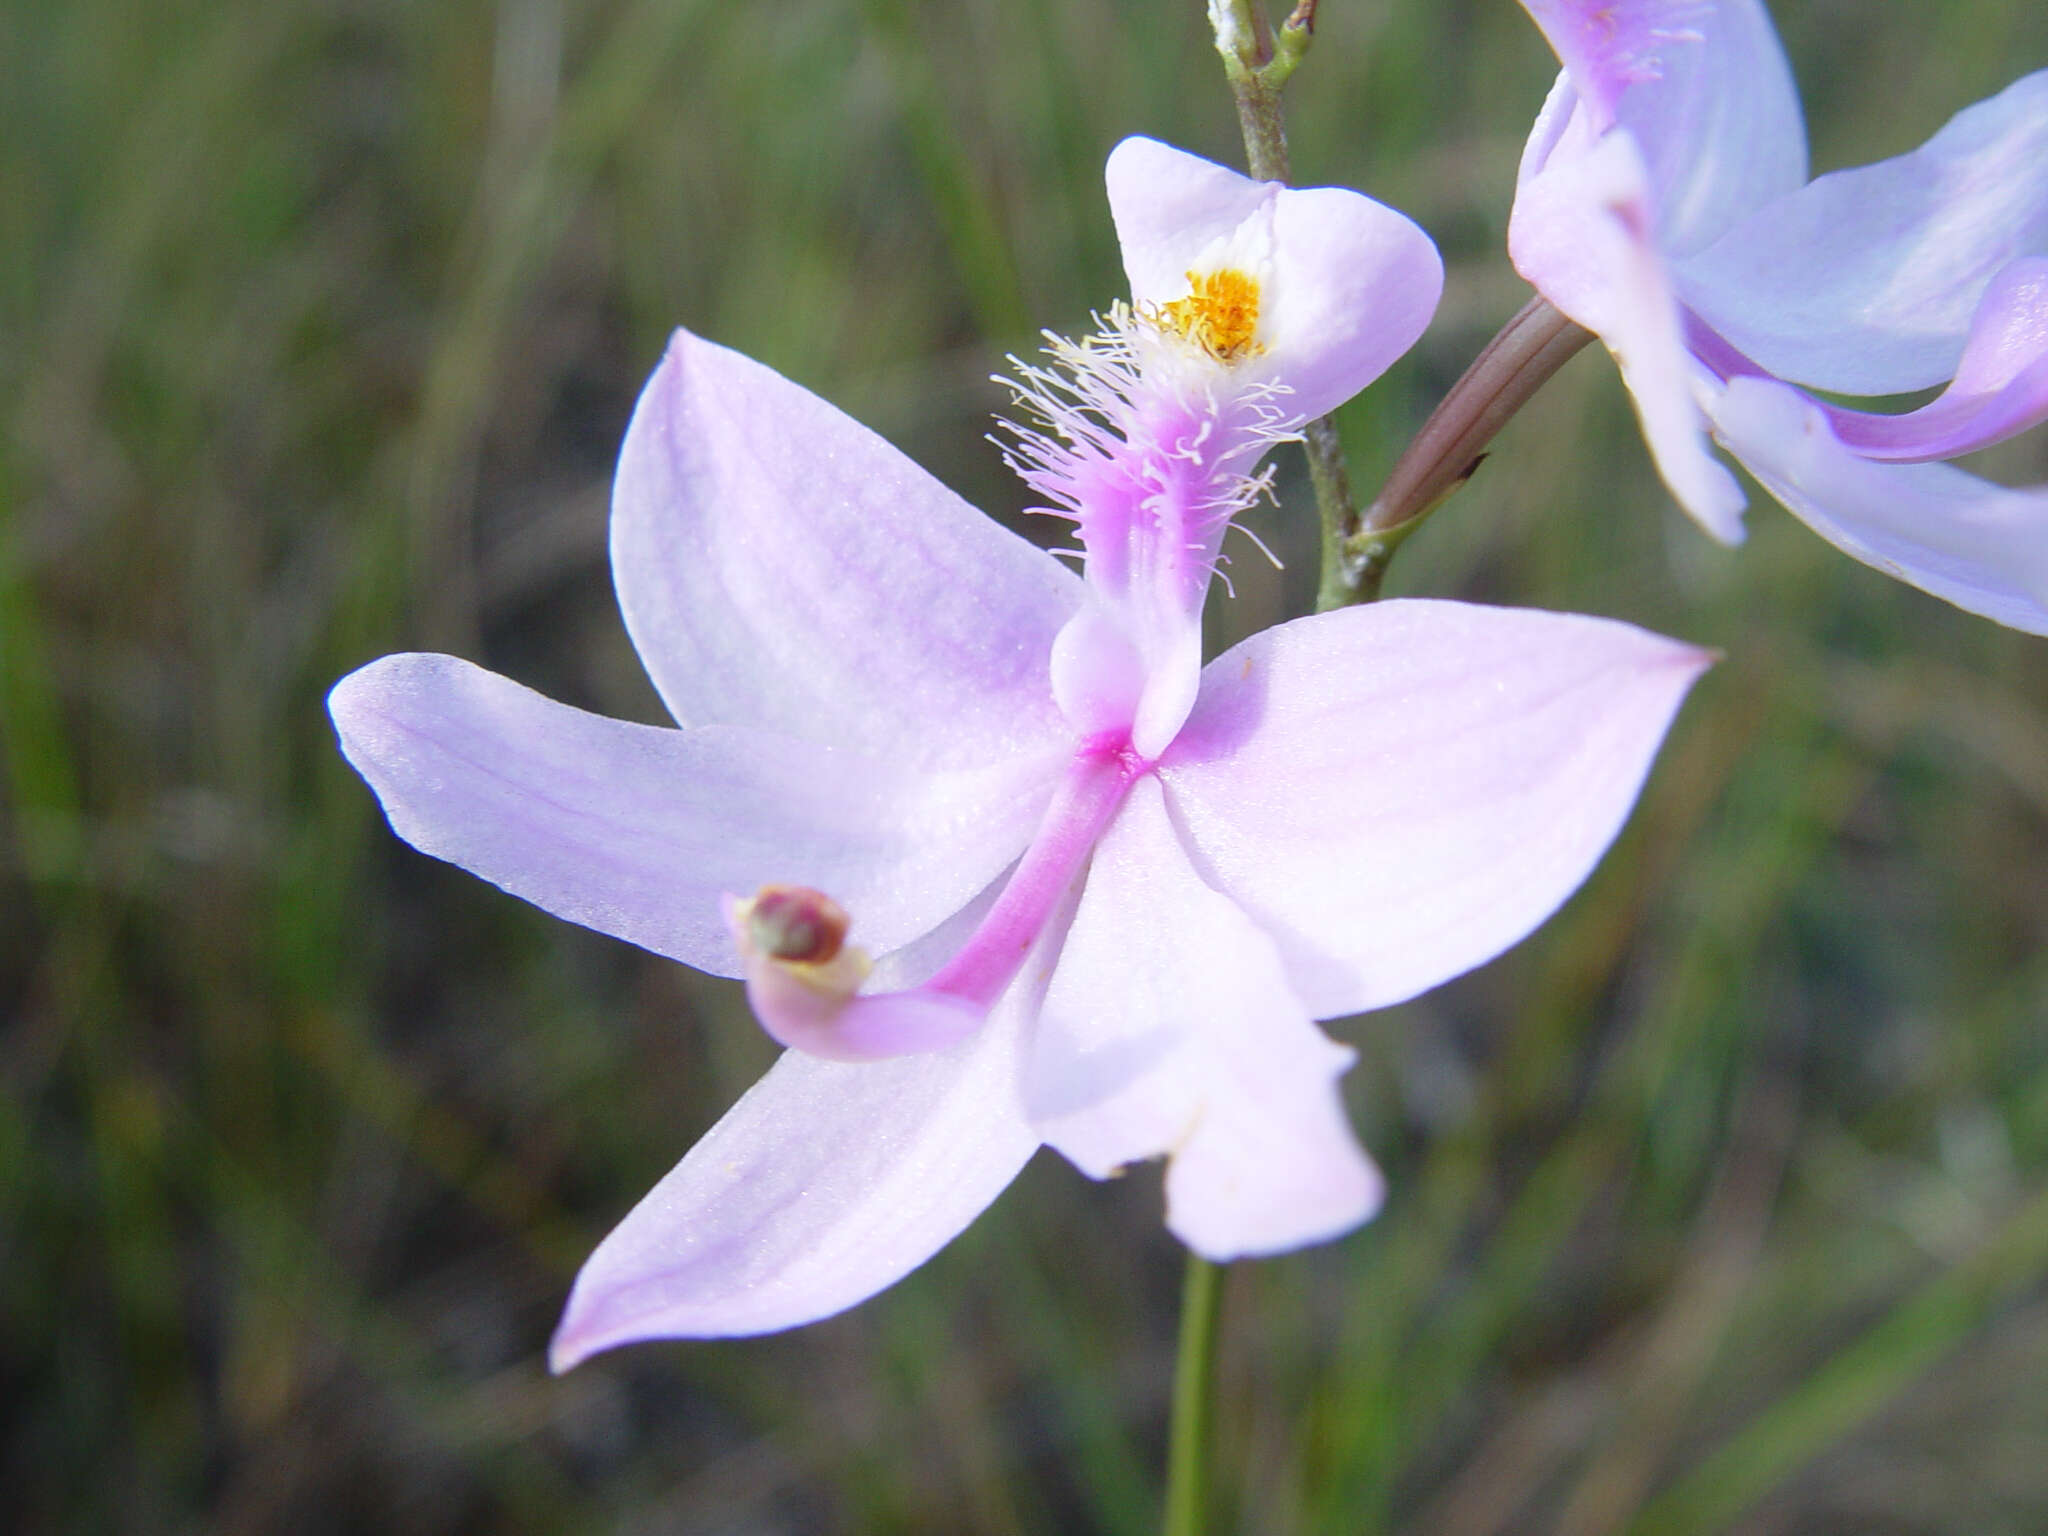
(1719, 1205)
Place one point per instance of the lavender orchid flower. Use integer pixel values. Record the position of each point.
(1663, 202)
(1106, 890)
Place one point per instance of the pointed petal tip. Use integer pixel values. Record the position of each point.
(824, 1185)
(592, 1325)
(577, 1336)
(610, 1307)
(588, 1328)
(570, 1346)
(1692, 659)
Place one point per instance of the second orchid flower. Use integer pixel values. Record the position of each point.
(1664, 204)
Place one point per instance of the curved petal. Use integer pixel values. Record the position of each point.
(826, 1183)
(1398, 793)
(1865, 281)
(638, 831)
(1981, 546)
(1349, 286)
(1580, 231)
(1999, 391)
(1169, 206)
(781, 566)
(835, 1023)
(1706, 92)
(1354, 286)
(1169, 1027)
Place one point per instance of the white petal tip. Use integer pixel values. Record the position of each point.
(1281, 1221)
(1730, 531)
(577, 1338)
(565, 1354)
(585, 1331)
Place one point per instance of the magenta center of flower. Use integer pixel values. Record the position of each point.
(804, 982)
(1094, 785)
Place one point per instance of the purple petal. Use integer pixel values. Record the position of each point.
(1170, 1027)
(1354, 286)
(1169, 206)
(781, 566)
(1398, 793)
(842, 1027)
(638, 831)
(1866, 281)
(2000, 388)
(1705, 90)
(1981, 546)
(1580, 231)
(1348, 284)
(826, 1183)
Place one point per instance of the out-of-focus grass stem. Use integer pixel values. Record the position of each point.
(1858, 1383)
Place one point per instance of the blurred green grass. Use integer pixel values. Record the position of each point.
(1722, 1204)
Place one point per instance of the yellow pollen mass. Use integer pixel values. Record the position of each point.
(1219, 315)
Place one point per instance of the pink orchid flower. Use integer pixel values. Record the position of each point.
(1100, 892)
(1664, 203)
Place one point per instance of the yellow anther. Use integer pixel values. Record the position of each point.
(1220, 314)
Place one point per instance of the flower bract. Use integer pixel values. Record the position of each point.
(1664, 203)
(997, 857)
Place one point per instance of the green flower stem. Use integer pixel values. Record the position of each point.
(1519, 360)
(1257, 65)
(1194, 1380)
(1257, 62)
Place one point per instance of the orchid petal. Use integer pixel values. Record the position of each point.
(1580, 231)
(1351, 284)
(637, 831)
(2000, 388)
(815, 1009)
(1865, 281)
(1098, 675)
(1981, 546)
(781, 566)
(1354, 287)
(1704, 89)
(1398, 793)
(1169, 208)
(1169, 1027)
(826, 1183)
